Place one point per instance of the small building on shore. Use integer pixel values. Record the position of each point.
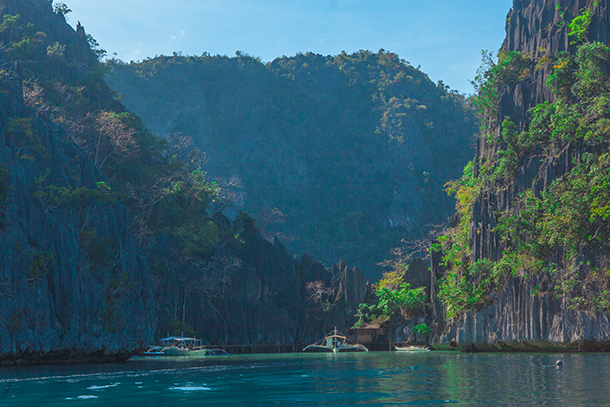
(370, 334)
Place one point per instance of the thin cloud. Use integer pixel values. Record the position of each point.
(136, 54)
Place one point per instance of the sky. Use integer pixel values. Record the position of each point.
(444, 37)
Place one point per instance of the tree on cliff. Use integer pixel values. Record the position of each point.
(61, 8)
(365, 132)
(557, 229)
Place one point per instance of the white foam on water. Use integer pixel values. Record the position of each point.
(103, 387)
(116, 375)
(190, 388)
(86, 397)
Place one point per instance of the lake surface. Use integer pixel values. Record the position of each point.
(371, 379)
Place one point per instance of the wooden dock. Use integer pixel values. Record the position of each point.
(255, 349)
(251, 349)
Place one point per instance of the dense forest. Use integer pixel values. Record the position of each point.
(340, 156)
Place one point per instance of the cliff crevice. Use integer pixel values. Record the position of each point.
(529, 310)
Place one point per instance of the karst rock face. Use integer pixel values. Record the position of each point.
(40, 12)
(73, 287)
(517, 319)
(535, 27)
(76, 286)
(59, 298)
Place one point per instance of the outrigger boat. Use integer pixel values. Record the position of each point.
(411, 348)
(181, 346)
(335, 342)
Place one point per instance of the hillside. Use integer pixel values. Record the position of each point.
(526, 266)
(111, 237)
(340, 156)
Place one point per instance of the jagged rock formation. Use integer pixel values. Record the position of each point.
(246, 299)
(520, 321)
(75, 285)
(60, 300)
(55, 27)
(517, 319)
(344, 289)
(533, 28)
(260, 297)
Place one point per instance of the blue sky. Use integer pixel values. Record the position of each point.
(445, 37)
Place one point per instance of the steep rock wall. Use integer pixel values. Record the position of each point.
(72, 285)
(518, 319)
(258, 297)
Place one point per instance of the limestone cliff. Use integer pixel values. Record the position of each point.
(526, 312)
(75, 284)
(261, 296)
(60, 298)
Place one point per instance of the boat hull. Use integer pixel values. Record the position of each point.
(411, 349)
(342, 349)
(360, 348)
(186, 352)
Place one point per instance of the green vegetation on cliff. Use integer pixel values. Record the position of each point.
(560, 233)
(342, 156)
(112, 163)
(393, 297)
(160, 181)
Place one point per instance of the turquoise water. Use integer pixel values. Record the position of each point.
(372, 379)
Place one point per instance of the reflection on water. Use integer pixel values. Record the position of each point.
(372, 379)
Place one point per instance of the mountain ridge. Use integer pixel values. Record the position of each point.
(352, 149)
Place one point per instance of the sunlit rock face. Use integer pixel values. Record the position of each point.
(517, 319)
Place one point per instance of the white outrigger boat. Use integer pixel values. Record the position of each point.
(182, 346)
(411, 348)
(335, 342)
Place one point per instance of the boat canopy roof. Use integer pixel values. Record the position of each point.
(336, 335)
(333, 336)
(334, 341)
(180, 339)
